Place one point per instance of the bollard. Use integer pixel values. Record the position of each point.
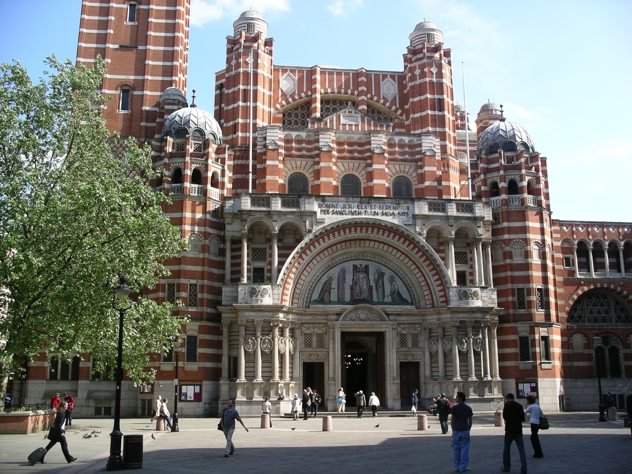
(498, 419)
(328, 424)
(265, 420)
(160, 424)
(612, 414)
(422, 422)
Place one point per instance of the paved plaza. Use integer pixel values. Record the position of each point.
(576, 443)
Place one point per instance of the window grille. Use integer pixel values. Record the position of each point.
(460, 258)
(402, 187)
(171, 293)
(403, 340)
(297, 183)
(521, 298)
(259, 254)
(307, 340)
(296, 117)
(320, 341)
(193, 295)
(436, 206)
(350, 185)
(539, 298)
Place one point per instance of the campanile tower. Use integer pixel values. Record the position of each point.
(145, 46)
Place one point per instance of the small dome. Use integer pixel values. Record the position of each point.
(425, 32)
(506, 136)
(173, 94)
(490, 108)
(192, 121)
(251, 22)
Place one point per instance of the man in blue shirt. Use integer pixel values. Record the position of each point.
(461, 423)
(229, 415)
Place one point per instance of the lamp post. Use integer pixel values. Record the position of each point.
(177, 347)
(121, 304)
(597, 342)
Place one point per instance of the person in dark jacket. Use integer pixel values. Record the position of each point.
(57, 432)
(360, 402)
(71, 406)
(443, 409)
(513, 414)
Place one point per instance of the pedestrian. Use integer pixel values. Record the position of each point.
(71, 406)
(266, 407)
(360, 402)
(374, 403)
(341, 400)
(306, 401)
(164, 413)
(461, 423)
(534, 411)
(155, 412)
(295, 403)
(229, 415)
(414, 401)
(513, 414)
(8, 401)
(54, 401)
(443, 409)
(315, 403)
(628, 402)
(57, 432)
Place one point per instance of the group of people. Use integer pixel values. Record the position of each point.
(57, 432)
(361, 403)
(160, 410)
(56, 400)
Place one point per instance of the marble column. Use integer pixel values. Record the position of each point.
(286, 354)
(621, 261)
(494, 344)
(427, 369)
(296, 362)
(488, 264)
(275, 256)
(486, 350)
(241, 376)
(258, 324)
(475, 261)
(451, 263)
(606, 260)
(441, 355)
(591, 264)
(244, 257)
(227, 263)
(456, 363)
(275, 351)
(575, 260)
(470, 354)
(225, 349)
(481, 266)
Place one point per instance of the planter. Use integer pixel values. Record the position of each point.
(26, 422)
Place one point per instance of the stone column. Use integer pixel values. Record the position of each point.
(591, 264)
(477, 268)
(275, 351)
(225, 349)
(441, 355)
(244, 256)
(488, 264)
(575, 260)
(241, 376)
(606, 260)
(455, 353)
(286, 354)
(494, 343)
(621, 261)
(297, 343)
(486, 350)
(427, 369)
(227, 263)
(258, 323)
(470, 354)
(275, 256)
(451, 263)
(481, 266)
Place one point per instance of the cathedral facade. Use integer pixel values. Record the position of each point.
(350, 228)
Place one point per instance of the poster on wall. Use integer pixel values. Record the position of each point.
(361, 281)
(526, 388)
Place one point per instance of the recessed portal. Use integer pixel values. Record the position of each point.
(363, 364)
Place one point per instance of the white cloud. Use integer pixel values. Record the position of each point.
(206, 11)
(344, 7)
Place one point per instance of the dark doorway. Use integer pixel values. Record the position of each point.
(408, 382)
(314, 377)
(363, 365)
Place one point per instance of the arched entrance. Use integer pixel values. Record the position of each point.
(362, 364)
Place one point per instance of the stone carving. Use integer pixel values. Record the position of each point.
(282, 345)
(447, 344)
(292, 344)
(389, 89)
(362, 315)
(250, 344)
(461, 343)
(266, 344)
(288, 84)
(433, 344)
(469, 294)
(477, 343)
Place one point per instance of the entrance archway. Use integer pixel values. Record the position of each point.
(363, 365)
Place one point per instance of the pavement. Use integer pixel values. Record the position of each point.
(576, 443)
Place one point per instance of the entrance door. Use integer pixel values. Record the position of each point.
(314, 377)
(363, 365)
(408, 382)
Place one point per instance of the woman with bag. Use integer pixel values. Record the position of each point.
(535, 412)
(57, 432)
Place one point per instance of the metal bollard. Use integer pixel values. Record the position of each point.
(328, 424)
(160, 424)
(265, 420)
(422, 422)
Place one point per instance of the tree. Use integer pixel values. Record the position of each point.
(76, 210)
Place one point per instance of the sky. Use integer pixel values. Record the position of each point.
(562, 69)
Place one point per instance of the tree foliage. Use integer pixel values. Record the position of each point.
(75, 211)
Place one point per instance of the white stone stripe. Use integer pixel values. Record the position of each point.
(85, 30)
(148, 78)
(117, 46)
(124, 6)
(87, 17)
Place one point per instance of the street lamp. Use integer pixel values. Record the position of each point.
(598, 363)
(121, 304)
(177, 347)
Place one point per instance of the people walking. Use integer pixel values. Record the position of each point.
(266, 407)
(155, 413)
(71, 406)
(534, 411)
(374, 403)
(295, 404)
(164, 413)
(443, 409)
(57, 433)
(54, 401)
(461, 423)
(414, 401)
(341, 400)
(315, 403)
(513, 414)
(229, 415)
(306, 402)
(360, 402)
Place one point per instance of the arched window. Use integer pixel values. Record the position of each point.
(494, 189)
(297, 183)
(195, 243)
(131, 12)
(402, 187)
(350, 185)
(600, 307)
(196, 176)
(125, 99)
(176, 176)
(512, 187)
(531, 190)
(215, 180)
(583, 264)
(607, 356)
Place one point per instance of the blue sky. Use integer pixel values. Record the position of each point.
(562, 69)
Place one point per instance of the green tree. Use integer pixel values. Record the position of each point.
(76, 209)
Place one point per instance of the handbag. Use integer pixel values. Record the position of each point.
(220, 426)
(52, 434)
(544, 422)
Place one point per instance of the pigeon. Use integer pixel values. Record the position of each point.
(293, 428)
(87, 435)
(377, 426)
(152, 436)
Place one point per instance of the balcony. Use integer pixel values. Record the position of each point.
(473, 296)
(250, 293)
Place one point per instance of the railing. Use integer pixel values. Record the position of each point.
(532, 201)
(215, 194)
(176, 188)
(514, 201)
(495, 201)
(465, 207)
(196, 190)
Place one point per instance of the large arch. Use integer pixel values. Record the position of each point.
(417, 264)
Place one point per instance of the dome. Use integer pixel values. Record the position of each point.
(425, 32)
(192, 121)
(506, 136)
(251, 22)
(490, 108)
(173, 94)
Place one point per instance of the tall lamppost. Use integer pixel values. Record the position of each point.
(121, 304)
(598, 363)
(177, 347)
